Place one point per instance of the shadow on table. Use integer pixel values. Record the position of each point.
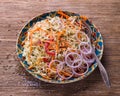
(64, 89)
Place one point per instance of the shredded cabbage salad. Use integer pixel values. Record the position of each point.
(58, 47)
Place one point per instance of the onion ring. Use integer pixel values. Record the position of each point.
(89, 58)
(76, 63)
(52, 62)
(70, 57)
(62, 73)
(80, 67)
(85, 48)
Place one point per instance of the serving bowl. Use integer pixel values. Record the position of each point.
(96, 39)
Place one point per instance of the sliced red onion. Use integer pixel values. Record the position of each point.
(69, 50)
(76, 63)
(85, 48)
(86, 39)
(76, 70)
(60, 68)
(89, 58)
(70, 57)
(70, 60)
(53, 61)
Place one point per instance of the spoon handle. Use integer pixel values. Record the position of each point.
(100, 66)
(103, 72)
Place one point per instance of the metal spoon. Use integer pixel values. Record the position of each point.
(100, 66)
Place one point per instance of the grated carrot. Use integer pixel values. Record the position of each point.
(65, 73)
(84, 18)
(46, 77)
(63, 14)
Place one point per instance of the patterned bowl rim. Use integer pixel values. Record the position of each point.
(53, 81)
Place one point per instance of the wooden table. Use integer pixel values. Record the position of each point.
(15, 81)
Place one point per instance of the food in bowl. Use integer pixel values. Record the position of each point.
(58, 47)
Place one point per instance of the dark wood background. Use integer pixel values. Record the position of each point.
(15, 81)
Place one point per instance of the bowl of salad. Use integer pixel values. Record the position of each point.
(55, 47)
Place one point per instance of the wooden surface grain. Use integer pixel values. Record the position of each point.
(15, 81)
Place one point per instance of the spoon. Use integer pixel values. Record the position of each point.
(102, 69)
